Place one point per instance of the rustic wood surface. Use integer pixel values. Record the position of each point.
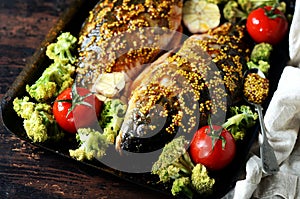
(27, 171)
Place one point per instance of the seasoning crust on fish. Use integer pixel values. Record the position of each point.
(176, 95)
(123, 35)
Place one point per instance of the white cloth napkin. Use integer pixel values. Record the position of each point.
(282, 120)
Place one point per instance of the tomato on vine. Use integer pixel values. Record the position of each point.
(267, 24)
(214, 149)
(75, 108)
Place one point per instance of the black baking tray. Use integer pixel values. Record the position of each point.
(71, 21)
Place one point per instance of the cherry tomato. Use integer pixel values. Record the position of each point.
(216, 154)
(75, 109)
(267, 25)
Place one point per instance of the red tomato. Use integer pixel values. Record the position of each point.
(265, 25)
(81, 115)
(214, 156)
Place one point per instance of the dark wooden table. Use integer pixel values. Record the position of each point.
(27, 171)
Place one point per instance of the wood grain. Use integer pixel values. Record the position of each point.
(25, 170)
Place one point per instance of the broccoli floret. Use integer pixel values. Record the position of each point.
(217, 1)
(200, 179)
(56, 78)
(249, 5)
(182, 185)
(260, 57)
(260, 3)
(243, 118)
(232, 12)
(245, 5)
(39, 123)
(61, 50)
(264, 66)
(93, 144)
(171, 172)
(23, 107)
(261, 51)
(174, 154)
(112, 117)
(174, 164)
(239, 9)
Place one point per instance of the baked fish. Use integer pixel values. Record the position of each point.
(124, 35)
(177, 93)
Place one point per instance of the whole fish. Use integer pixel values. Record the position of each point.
(177, 93)
(124, 35)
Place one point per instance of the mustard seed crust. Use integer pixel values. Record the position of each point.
(119, 35)
(227, 46)
(256, 88)
(185, 89)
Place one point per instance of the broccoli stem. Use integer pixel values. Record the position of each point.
(240, 14)
(184, 167)
(236, 119)
(185, 163)
(188, 192)
(188, 161)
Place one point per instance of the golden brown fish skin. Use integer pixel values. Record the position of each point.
(156, 110)
(113, 38)
(229, 50)
(195, 82)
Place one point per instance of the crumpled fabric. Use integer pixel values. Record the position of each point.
(282, 120)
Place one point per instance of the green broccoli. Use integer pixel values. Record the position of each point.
(260, 3)
(174, 164)
(56, 78)
(182, 185)
(261, 51)
(246, 5)
(242, 119)
(235, 10)
(200, 179)
(39, 123)
(61, 50)
(260, 57)
(173, 161)
(217, 1)
(111, 118)
(232, 12)
(93, 144)
(264, 66)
